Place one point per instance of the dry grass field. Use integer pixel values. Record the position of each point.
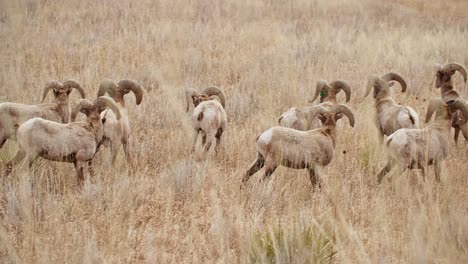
(169, 206)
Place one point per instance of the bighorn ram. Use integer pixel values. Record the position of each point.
(74, 142)
(448, 92)
(299, 149)
(198, 97)
(117, 131)
(12, 114)
(209, 119)
(390, 116)
(411, 148)
(300, 118)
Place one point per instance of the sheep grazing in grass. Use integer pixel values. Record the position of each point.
(390, 116)
(299, 118)
(117, 131)
(12, 115)
(447, 91)
(412, 148)
(75, 142)
(299, 149)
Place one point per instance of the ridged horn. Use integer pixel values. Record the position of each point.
(82, 104)
(213, 90)
(316, 110)
(391, 76)
(373, 81)
(318, 88)
(189, 92)
(346, 111)
(456, 67)
(342, 85)
(106, 101)
(434, 106)
(107, 86)
(134, 86)
(50, 85)
(74, 84)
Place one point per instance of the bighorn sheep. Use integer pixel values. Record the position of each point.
(299, 118)
(117, 131)
(448, 92)
(209, 119)
(390, 116)
(198, 97)
(12, 114)
(75, 142)
(299, 149)
(411, 148)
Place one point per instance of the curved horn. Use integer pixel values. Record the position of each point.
(189, 92)
(213, 90)
(342, 85)
(373, 82)
(134, 86)
(434, 106)
(82, 104)
(316, 110)
(461, 105)
(74, 84)
(107, 86)
(318, 88)
(391, 76)
(456, 67)
(50, 85)
(106, 101)
(346, 111)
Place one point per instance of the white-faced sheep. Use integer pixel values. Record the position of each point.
(299, 149)
(448, 92)
(412, 148)
(13, 114)
(192, 94)
(299, 118)
(210, 120)
(390, 116)
(117, 132)
(75, 142)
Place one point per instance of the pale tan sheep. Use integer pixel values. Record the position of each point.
(13, 114)
(75, 142)
(390, 116)
(299, 149)
(412, 148)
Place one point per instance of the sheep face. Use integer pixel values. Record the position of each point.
(61, 94)
(330, 118)
(327, 92)
(443, 76)
(197, 99)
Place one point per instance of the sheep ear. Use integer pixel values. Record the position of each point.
(338, 116)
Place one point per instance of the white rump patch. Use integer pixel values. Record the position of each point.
(266, 136)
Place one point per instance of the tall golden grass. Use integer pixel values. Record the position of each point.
(170, 206)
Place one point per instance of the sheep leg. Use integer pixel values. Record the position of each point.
(423, 169)
(203, 139)
(195, 138)
(114, 149)
(210, 139)
(388, 167)
(256, 166)
(437, 169)
(90, 168)
(270, 167)
(20, 155)
(79, 172)
(314, 178)
(127, 151)
(464, 130)
(218, 139)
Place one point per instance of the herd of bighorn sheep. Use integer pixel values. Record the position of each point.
(305, 138)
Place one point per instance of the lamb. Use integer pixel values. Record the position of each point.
(299, 149)
(198, 97)
(389, 115)
(209, 119)
(117, 131)
(448, 92)
(13, 114)
(75, 142)
(411, 147)
(299, 118)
